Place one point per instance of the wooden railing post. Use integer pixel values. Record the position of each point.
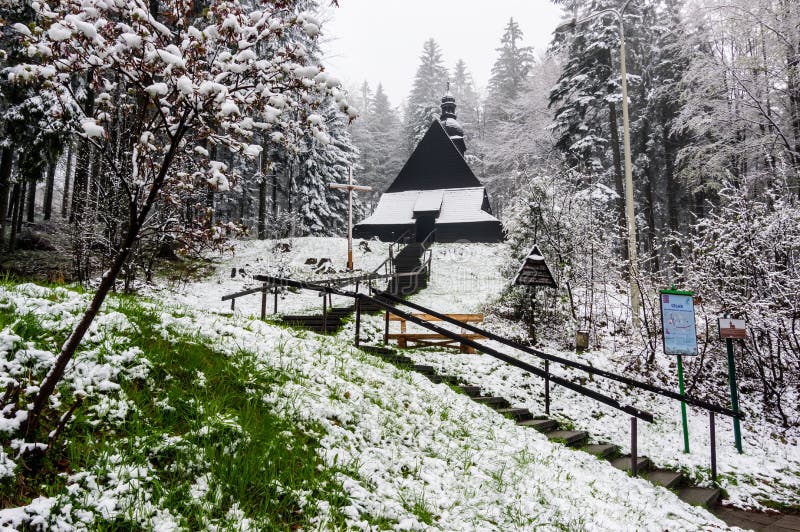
(386, 329)
(547, 387)
(713, 447)
(634, 450)
(276, 301)
(233, 303)
(264, 302)
(324, 313)
(358, 320)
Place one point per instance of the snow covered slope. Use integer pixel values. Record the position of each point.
(409, 454)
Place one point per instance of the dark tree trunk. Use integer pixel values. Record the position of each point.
(262, 198)
(621, 225)
(6, 160)
(81, 181)
(20, 209)
(16, 214)
(48, 188)
(673, 192)
(30, 210)
(67, 179)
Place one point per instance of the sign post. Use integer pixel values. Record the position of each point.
(680, 338)
(729, 330)
(349, 187)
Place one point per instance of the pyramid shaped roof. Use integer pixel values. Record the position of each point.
(435, 164)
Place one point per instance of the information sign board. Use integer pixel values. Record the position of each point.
(734, 329)
(678, 324)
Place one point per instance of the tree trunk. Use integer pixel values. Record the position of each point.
(16, 214)
(6, 160)
(67, 178)
(137, 220)
(48, 188)
(672, 187)
(262, 198)
(80, 184)
(262, 208)
(30, 210)
(621, 223)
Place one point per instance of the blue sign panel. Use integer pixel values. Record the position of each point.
(677, 321)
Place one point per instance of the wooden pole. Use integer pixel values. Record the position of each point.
(264, 302)
(358, 321)
(350, 219)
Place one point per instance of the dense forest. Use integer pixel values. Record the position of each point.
(714, 99)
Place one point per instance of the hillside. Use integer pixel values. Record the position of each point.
(193, 418)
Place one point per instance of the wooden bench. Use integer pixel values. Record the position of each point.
(404, 338)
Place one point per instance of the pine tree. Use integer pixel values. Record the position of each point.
(425, 98)
(510, 70)
(468, 100)
(385, 130)
(323, 210)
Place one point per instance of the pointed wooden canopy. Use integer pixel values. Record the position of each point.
(435, 164)
(534, 271)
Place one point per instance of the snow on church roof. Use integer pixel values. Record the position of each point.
(458, 205)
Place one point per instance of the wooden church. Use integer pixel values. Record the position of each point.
(436, 189)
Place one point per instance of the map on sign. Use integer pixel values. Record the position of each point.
(677, 320)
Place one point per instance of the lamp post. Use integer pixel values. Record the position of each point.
(626, 136)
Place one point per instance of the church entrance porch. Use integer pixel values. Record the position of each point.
(425, 223)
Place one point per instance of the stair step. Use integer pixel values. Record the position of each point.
(376, 349)
(602, 450)
(624, 463)
(700, 496)
(472, 391)
(664, 477)
(398, 360)
(492, 401)
(542, 425)
(450, 379)
(518, 414)
(569, 437)
(424, 369)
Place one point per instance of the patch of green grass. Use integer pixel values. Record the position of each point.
(417, 505)
(199, 417)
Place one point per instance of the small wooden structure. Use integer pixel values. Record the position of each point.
(404, 338)
(532, 273)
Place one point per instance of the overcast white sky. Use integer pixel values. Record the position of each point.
(381, 40)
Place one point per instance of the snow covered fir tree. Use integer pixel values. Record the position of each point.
(321, 265)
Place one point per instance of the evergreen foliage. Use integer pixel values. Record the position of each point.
(423, 104)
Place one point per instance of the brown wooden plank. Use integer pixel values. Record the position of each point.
(425, 336)
(428, 317)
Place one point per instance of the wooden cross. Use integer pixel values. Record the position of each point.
(350, 187)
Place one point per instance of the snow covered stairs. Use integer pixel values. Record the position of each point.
(577, 439)
(318, 323)
(409, 260)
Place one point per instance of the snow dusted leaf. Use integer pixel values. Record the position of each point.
(92, 129)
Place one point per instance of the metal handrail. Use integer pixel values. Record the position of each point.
(631, 410)
(566, 362)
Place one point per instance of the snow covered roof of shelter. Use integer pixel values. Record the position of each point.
(429, 201)
(458, 205)
(534, 271)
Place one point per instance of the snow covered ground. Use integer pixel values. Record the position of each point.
(465, 278)
(412, 455)
(286, 257)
